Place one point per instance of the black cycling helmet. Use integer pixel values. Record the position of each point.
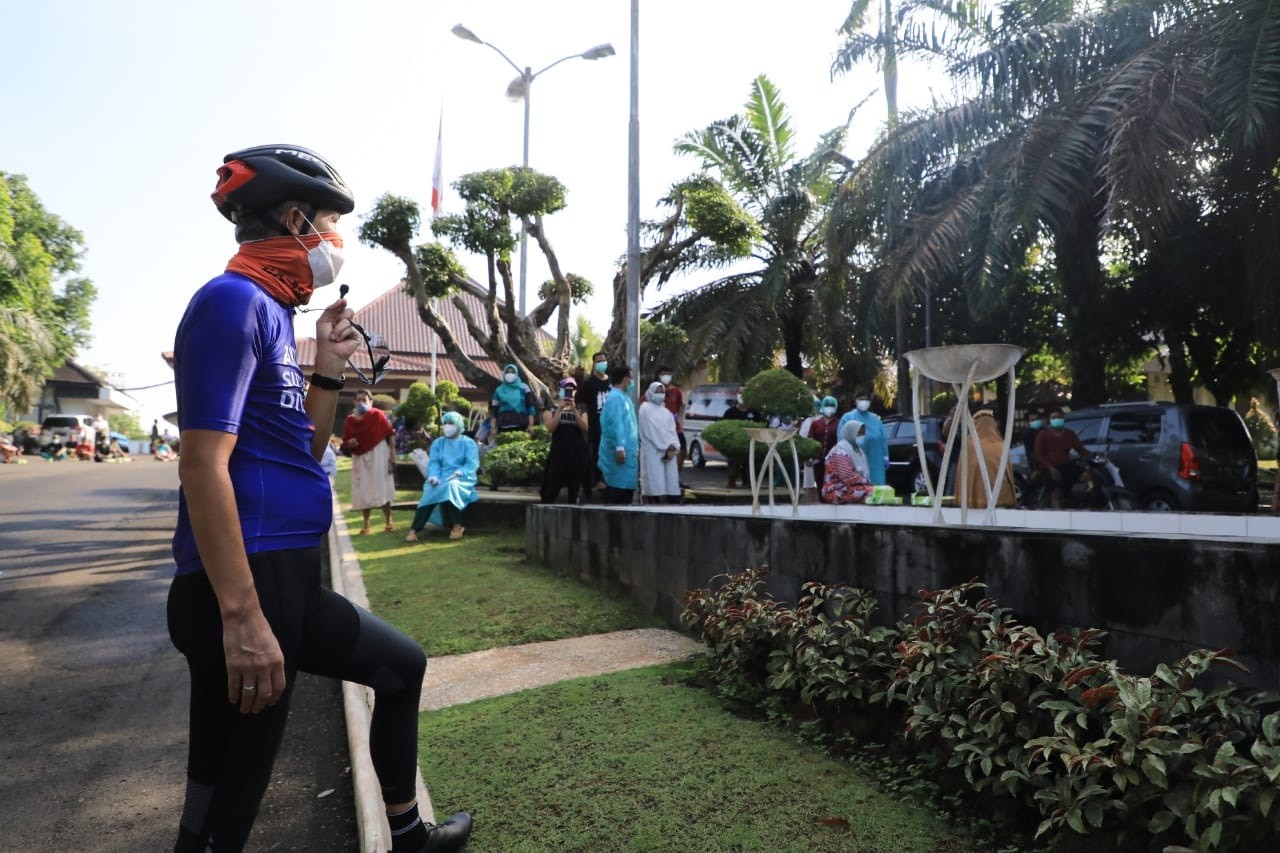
(254, 179)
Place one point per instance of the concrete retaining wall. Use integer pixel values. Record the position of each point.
(1157, 597)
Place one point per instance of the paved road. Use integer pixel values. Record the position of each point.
(92, 694)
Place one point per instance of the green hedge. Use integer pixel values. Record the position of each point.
(1140, 762)
(517, 460)
(732, 439)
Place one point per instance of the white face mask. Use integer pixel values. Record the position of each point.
(450, 430)
(828, 410)
(363, 408)
(657, 397)
(325, 260)
(665, 379)
(509, 377)
(863, 405)
(860, 440)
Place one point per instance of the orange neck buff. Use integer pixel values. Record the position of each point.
(279, 265)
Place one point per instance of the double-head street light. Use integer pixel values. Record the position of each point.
(519, 90)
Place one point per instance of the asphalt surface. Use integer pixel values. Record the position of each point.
(93, 701)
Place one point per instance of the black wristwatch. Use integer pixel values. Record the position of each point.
(328, 383)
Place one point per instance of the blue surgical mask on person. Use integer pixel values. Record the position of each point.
(1036, 424)
(863, 405)
(1057, 423)
(601, 366)
(860, 440)
(510, 378)
(363, 408)
(829, 411)
(665, 378)
(449, 430)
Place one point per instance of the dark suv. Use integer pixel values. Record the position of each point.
(1174, 457)
(904, 459)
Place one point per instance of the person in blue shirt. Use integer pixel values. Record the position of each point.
(449, 478)
(619, 452)
(246, 606)
(512, 407)
(876, 446)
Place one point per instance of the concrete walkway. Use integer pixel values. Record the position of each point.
(457, 679)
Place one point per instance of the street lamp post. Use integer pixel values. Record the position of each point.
(518, 89)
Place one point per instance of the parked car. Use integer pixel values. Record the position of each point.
(706, 404)
(904, 459)
(64, 427)
(1171, 456)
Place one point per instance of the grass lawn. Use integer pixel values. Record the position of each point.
(641, 760)
(478, 592)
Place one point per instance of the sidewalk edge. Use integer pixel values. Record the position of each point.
(357, 701)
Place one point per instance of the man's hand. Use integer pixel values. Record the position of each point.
(620, 456)
(352, 443)
(435, 481)
(255, 664)
(336, 339)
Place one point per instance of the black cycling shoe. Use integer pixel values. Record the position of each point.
(447, 836)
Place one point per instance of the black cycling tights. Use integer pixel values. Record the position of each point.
(230, 754)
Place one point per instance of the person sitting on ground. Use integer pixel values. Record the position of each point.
(1053, 457)
(847, 473)
(449, 473)
(8, 450)
(162, 452)
(115, 451)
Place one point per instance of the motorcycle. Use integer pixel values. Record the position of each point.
(1099, 488)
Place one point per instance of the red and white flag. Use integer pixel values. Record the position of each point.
(437, 183)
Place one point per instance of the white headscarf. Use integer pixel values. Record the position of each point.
(848, 445)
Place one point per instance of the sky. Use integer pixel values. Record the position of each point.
(119, 113)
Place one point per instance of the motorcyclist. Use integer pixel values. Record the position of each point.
(1053, 457)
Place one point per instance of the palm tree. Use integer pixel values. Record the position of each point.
(743, 319)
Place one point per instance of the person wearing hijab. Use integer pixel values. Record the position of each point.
(618, 457)
(847, 467)
(567, 461)
(876, 445)
(659, 448)
(450, 478)
(512, 407)
(988, 434)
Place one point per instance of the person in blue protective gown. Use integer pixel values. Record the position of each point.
(876, 446)
(450, 478)
(619, 455)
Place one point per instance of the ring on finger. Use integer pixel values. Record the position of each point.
(249, 688)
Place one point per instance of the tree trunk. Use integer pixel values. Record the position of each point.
(1076, 245)
(1179, 371)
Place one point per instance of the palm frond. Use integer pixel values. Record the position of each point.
(767, 115)
(1246, 71)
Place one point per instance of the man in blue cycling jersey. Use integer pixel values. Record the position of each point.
(247, 607)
